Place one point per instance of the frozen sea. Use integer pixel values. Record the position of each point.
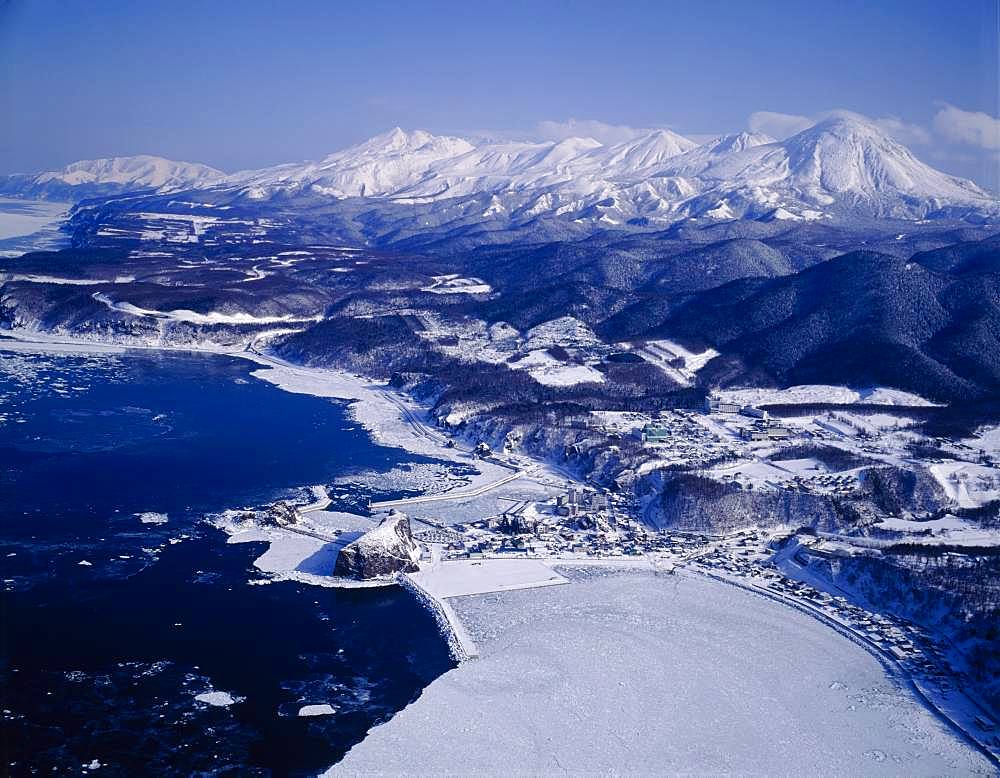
(31, 225)
(133, 636)
(638, 674)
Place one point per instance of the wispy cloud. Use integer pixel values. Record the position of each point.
(784, 125)
(778, 125)
(970, 128)
(588, 128)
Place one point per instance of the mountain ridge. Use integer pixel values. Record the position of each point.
(840, 168)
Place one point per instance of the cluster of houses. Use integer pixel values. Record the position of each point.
(762, 428)
(578, 522)
(840, 484)
(677, 436)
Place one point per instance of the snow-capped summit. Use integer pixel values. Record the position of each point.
(647, 152)
(102, 177)
(842, 167)
(739, 141)
(377, 167)
(399, 142)
(841, 164)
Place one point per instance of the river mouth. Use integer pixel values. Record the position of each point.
(134, 637)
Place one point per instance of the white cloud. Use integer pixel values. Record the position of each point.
(784, 125)
(588, 128)
(778, 125)
(906, 133)
(972, 128)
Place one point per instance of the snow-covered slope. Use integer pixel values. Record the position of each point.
(378, 167)
(100, 177)
(842, 164)
(842, 167)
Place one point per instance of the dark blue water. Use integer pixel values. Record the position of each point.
(103, 660)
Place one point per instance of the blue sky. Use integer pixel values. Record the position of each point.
(246, 84)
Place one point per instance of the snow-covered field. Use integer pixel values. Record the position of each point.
(969, 485)
(637, 674)
(193, 317)
(550, 371)
(807, 394)
(454, 284)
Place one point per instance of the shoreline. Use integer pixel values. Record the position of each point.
(388, 421)
(314, 381)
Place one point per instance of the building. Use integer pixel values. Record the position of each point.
(654, 433)
(715, 405)
(564, 507)
(753, 413)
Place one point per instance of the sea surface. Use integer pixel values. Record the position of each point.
(120, 603)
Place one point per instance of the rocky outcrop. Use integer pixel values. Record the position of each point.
(383, 551)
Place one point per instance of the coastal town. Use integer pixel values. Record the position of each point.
(522, 522)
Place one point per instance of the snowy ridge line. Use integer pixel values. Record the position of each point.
(460, 644)
(893, 668)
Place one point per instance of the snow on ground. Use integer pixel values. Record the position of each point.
(43, 279)
(622, 422)
(986, 439)
(454, 284)
(548, 370)
(949, 530)
(693, 362)
(807, 466)
(566, 332)
(668, 356)
(464, 577)
(807, 394)
(491, 503)
(658, 675)
(193, 317)
(295, 556)
(969, 485)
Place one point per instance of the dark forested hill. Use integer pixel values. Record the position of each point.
(862, 318)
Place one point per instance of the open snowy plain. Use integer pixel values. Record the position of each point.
(639, 674)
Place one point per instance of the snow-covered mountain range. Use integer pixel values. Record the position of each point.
(111, 176)
(841, 167)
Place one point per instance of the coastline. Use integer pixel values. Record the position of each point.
(388, 418)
